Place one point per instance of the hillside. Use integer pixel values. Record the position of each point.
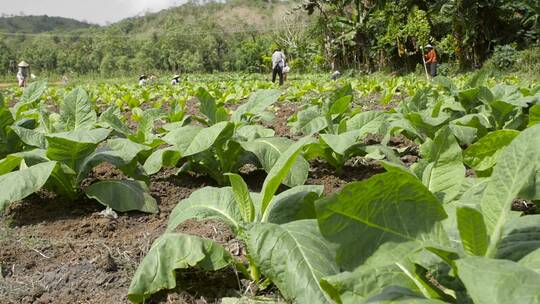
(39, 24)
(232, 15)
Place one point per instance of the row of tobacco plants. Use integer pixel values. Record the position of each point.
(439, 231)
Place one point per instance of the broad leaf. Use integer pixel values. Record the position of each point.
(534, 115)
(294, 256)
(294, 204)
(390, 207)
(31, 137)
(472, 230)
(19, 184)
(521, 236)
(242, 197)
(207, 203)
(279, 171)
(490, 281)
(191, 140)
(364, 282)
(210, 108)
(123, 195)
(71, 148)
(445, 172)
(269, 150)
(76, 112)
(483, 154)
(170, 252)
(256, 104)
(517, 164)
(252, 132)
(167, 157)
(532, 260)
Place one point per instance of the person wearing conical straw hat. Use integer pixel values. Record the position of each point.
(175, 80)
(23, 73)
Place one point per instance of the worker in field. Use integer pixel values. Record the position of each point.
(23, 73)
(143, 79)
(431, 60)
(175, 80)
(278, 63)
(335, 75)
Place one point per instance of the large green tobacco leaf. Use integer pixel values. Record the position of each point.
(76, 112)
(390, 207)
(343, 142)
(518, 163)
(445, 172)
(214, 112)
(110, 119)
(120, 152)
(207, 203)
(242, 197)
(31, 137)
(309, 121)
(490, 281)
(123, 195)
(364, 282)
(191, 140)
(369, 122)
(33, 92)
(532, 260)
(19, 184)
(520, 237)
(534, 115)
(294, 204)
(268, 151)
(170, 252)
(483, 154)
(71, 148)
(426, 124)
(472, 230)
(279, 171)
(252, 132)
(294, 256)
(393, 295)
(256, 104)
(167, 157)
(465, 135)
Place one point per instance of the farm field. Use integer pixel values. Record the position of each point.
(228, 189)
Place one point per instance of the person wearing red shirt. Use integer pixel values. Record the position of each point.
(431, 60)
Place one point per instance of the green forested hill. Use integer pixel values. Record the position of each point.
(39, 24)
(197, 36)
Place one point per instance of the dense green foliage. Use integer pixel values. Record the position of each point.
(239, 35)
(420, 233)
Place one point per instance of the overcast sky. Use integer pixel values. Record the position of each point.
(95, 11)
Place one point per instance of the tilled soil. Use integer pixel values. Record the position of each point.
(54, 251)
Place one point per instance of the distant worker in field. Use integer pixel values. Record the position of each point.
(143, 80)
(431, 60)
(175, 80)
(23, 73)
(278, 63)
(336, 75)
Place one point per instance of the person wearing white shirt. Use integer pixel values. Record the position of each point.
(278, 63)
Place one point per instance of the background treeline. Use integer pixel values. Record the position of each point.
(318, 35)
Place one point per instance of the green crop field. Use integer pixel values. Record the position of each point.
(383, 185)
(375, 187)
